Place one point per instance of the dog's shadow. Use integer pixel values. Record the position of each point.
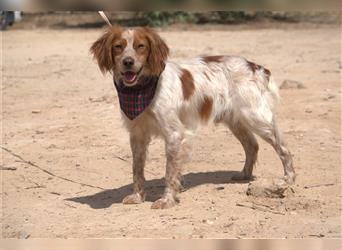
(154, 188)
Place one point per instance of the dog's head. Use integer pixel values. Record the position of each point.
(130, 53)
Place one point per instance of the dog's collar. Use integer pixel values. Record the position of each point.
(134, 100)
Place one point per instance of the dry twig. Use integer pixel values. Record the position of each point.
(255, 207)
(46, 171)
(320, 185)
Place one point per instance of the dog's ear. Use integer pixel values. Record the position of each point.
(158, 51)
(102, 49)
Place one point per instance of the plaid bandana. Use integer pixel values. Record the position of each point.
(134, 100)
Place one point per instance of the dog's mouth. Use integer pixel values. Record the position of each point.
(130, 77)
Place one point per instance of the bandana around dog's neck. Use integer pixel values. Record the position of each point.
(134, 100)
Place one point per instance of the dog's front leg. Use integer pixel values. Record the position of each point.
(173, 176)
(139, 143)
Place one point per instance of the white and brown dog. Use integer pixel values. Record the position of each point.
(167, 99)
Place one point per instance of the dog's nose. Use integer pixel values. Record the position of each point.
(128, 61)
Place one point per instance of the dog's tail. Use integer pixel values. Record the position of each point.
(271, 90)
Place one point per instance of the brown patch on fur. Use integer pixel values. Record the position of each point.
(206, 108)
(267, 73)
(158, 50)
(254, 67)
(188, 85)
(102, 48)
(209, 59)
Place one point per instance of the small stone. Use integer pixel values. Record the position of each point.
(52, 146)
(262, 222)
(209, 222)
(267, 189)
(329, 97)
(39, 132)
(291, 84)
(228, 225)
(36, 111)
(308, 111)
(8, 168)
(220, 188)
(23, 235)
(233, 218)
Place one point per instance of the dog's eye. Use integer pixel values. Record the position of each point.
(140, 46)
(118, 46)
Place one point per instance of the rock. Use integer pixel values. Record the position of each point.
(291, 84)
(8, 168)
(23, 235)
(105, 98)
(209, 222)
(52, 146)
(36, 111)
(269, 189)
(219, 188)
(226, 225)
(329, 97)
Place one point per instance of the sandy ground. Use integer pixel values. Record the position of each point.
(69, 165)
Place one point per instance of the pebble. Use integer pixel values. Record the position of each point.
(291, 84)
(23, 235)
(8, 168)
(36, 111)
(269, 189)
(209, 222)
(329, 97)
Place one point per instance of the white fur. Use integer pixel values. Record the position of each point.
(237, 94)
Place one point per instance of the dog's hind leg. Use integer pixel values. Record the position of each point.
(250, 146)
(265, 126)
(139, 143)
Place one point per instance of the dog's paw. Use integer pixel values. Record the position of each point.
(290, 178)
(241, 176)
(134, 199)
(163, 203)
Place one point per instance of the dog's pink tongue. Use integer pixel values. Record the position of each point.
(130, 76)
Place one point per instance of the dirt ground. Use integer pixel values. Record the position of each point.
(66, 156)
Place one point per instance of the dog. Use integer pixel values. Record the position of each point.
(171, 100)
